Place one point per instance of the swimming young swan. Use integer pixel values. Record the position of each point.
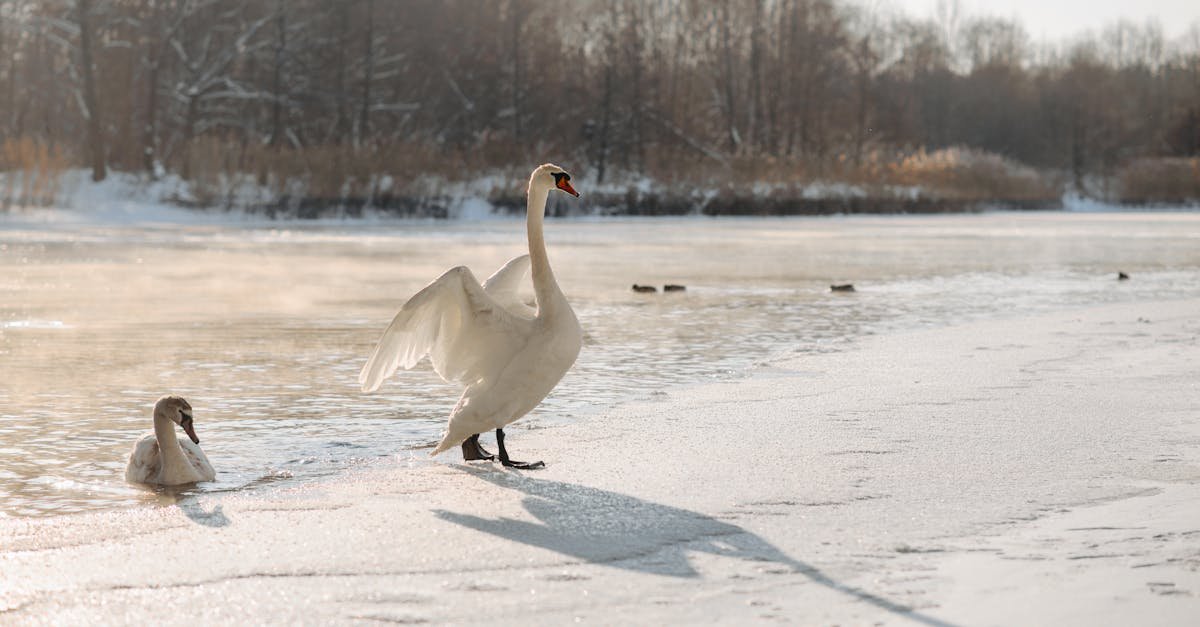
(160, 458)
(506, 355)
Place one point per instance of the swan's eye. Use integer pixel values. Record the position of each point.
(559, 176)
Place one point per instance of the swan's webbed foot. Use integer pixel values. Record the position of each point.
(522, 465)
(508, 463)
(472, 450)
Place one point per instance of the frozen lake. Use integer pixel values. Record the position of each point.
(263, 327)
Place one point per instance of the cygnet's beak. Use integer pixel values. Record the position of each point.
(186, 423)
(565, 185)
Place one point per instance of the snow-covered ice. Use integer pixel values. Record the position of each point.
(1037, 469)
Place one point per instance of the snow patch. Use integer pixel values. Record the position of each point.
(473, 208)
(1083, 204)
(821, 189)
(121, 199)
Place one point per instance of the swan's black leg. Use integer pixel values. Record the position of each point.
(510, 463)
(472, 450)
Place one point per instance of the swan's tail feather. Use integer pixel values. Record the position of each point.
(453, 438)
(441, 447)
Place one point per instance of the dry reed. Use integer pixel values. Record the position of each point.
(1157, 181)
(30, 173)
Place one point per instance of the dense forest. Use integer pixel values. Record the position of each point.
(733, 105)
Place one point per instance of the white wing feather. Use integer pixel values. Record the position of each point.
(505, 286)
(467, 334)
(143, 460)
(198, 460)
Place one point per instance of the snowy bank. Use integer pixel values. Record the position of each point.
(1038, 469)
(944, 181)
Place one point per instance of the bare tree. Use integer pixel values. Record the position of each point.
(207, 59)
(665, 86)
(95, 141)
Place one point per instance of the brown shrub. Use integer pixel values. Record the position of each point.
(1161, 180)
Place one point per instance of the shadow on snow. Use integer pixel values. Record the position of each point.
(602, 527)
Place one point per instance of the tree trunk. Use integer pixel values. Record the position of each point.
(8, 109)
(634, 52)
(95, 136)
(727, 66)
(277, 83)
(789, 47)
(516, 18)
(754, 124)
(605, 121)
(364, 115)
(342, 124)
(189, 131)
(150, 128)
(864, 88)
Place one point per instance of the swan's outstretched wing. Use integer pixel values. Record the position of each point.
(505, 286)
(465, 332)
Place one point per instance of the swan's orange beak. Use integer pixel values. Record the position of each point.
(565, 185)
(186, 423)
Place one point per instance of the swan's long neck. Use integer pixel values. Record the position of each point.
(168, 443)
(544, 284)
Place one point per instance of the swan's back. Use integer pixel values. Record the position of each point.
(145, 464)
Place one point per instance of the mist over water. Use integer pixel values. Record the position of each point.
(264, 327)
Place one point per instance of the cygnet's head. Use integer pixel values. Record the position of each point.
(551, 176)
(179, 411)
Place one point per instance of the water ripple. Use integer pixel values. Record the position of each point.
(265, 335)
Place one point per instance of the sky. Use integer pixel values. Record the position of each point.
(1056, 20)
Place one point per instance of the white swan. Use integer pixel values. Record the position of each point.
(160, 458)
(508, 356)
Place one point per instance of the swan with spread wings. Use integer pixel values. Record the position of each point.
(507, 355)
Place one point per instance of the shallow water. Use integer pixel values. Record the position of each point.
(264, 327)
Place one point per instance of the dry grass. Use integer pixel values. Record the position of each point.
(961, 175)
(974, 175)
(881, 182)
(1158, 181)
(421, 180)
(30, 173)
